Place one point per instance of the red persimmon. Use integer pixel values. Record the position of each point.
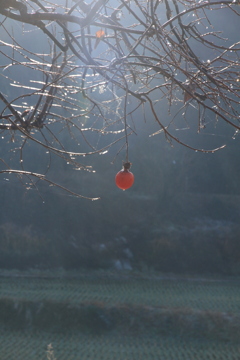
(124, 179)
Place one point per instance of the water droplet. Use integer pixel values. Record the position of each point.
(103, 152)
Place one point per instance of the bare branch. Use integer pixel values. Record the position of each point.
(149, 52)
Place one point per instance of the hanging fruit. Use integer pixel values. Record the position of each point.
(124, 179)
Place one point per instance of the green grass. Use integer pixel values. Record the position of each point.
(118, 316)
(33, 346)
(198, 294)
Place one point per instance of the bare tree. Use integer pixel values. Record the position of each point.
(104, 62)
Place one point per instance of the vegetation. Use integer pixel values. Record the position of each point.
(103, 315)
(74, 346)
(136, 80)
(100, 66)
(200, 247)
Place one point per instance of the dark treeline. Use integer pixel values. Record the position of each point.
(181, 215)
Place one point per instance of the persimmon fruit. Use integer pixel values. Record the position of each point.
(124, 179)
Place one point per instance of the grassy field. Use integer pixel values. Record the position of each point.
(104, 315)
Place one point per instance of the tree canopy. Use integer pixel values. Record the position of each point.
(89, 69)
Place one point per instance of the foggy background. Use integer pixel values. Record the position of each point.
(181, 214)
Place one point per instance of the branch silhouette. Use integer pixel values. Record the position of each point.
(84, 84)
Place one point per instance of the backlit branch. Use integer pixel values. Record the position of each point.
(103, 60)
